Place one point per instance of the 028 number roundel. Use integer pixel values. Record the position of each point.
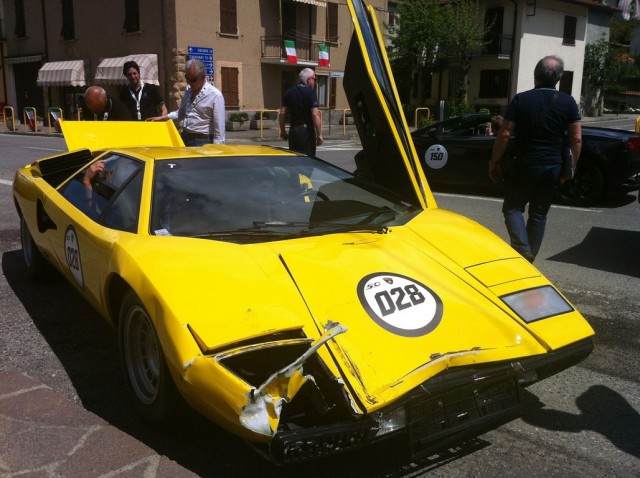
(400, 304)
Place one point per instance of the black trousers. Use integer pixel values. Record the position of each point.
(302, 139)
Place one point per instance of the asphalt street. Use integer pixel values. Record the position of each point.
(58, 359)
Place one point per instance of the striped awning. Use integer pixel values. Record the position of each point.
(22, 59)
(62, 73)
(629, 9)
(109, 71)
(317, 3)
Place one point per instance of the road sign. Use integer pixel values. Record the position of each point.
(204, 54)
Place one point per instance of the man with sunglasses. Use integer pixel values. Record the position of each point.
(201, 110)
(301, 104)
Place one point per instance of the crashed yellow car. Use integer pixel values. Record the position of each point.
(303, 308)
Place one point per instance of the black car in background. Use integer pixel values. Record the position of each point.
(456, 152)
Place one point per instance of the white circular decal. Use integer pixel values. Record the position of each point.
(72, 251)
(400, 304)
(436, 156)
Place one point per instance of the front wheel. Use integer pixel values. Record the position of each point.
(585, 189)
(146, 374)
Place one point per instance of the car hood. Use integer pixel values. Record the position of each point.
(411, 311)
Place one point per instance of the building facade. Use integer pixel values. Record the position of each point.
(54, 50)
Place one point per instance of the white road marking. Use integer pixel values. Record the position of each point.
(483, 198)
(45, 149)
(6, 182)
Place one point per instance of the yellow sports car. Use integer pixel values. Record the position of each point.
(308, 310)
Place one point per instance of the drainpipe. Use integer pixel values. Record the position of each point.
(513, 46)
(46, 47)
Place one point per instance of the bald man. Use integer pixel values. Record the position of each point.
(102, 107)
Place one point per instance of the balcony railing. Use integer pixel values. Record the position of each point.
(272, 47)
(496, 45)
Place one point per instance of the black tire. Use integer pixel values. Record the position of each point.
(586, 188)
(38, 267)
(147, 377)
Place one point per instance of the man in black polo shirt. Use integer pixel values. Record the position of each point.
(301, 104)
(142, 99)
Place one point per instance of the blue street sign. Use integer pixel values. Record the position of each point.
(204, 54)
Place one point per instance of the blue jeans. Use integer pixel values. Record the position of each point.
(533, 185)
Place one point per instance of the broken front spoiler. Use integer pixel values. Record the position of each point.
(458, 404)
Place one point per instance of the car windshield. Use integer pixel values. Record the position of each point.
(261, 198)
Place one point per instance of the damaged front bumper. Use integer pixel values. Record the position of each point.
(457, 404)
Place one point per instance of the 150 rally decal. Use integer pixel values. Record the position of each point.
(436, 156)
(72, 252)
(400, 304)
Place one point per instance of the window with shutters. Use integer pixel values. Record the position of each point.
(68, 26)
(569, 35)
(131, 16)
(230, 88)
(228, 17)
(332, 23)
(20, 30)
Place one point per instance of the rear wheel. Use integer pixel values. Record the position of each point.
(37, 266)
(146, 374)
(585, 188)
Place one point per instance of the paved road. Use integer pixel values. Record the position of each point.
(583, 422)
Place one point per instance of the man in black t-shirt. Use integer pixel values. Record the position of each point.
(301, 104)
(546, 122)
(142, 99)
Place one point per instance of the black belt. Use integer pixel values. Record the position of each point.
(195, 135)
(301, 126)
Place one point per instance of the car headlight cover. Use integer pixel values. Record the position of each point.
(391, 421)
(537, 303)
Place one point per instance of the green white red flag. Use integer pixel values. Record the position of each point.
(290, 47)
(323, 55)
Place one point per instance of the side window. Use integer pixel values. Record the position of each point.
(569, 34)
(123, 213)
(131, 16)
(20, 30)
(228, 17)
(99, 184)
(332, 23)
(68, 26)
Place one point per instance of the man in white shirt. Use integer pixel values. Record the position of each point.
(201, 110)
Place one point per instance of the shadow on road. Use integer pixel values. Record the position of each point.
(86, 346)
(609, 250)
(602, 410)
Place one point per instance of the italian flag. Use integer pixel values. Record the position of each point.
(290, 47)
(323, 55)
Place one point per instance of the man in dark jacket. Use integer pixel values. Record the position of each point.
(301, 104)
(544, 121)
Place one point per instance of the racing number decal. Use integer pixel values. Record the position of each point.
(72, 252)
(436, 156)
(399, 304)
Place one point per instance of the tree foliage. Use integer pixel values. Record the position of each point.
(429, 35)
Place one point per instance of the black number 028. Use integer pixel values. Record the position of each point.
(398, 298)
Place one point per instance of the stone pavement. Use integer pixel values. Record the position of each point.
(42, 434)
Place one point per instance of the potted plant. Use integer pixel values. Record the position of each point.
(266, 120)
(238, 121)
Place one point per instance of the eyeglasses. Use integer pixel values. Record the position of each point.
(191, 80)
(312, 77)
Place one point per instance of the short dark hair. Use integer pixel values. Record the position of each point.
(128, 65)
(548, 71)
